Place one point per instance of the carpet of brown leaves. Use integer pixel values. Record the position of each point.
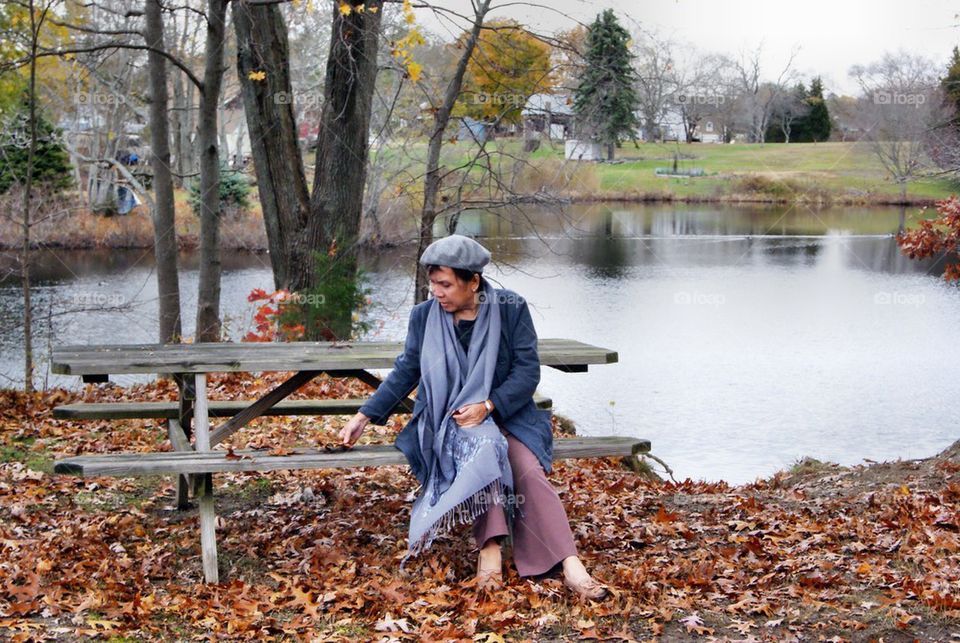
(817, 553)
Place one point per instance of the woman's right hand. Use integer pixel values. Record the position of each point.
(353, 429)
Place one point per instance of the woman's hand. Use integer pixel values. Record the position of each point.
(470, 415)
(353, 429)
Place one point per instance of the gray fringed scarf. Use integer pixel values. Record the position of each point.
(467, 468)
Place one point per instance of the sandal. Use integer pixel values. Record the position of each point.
(489, 578)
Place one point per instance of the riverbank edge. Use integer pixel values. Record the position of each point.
(189, 241)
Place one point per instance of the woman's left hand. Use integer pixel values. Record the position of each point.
(470, 415)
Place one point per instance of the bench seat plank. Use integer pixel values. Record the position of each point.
(146, 464)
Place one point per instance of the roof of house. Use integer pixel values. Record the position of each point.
(548, 103)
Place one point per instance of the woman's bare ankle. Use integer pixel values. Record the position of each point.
(573, 568)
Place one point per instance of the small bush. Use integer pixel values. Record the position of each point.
(234, 193)
(51, 163)
(780, 188)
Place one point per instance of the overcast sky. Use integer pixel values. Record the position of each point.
(832, 34)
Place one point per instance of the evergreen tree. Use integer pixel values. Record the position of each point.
(951, 86)
(816, 126)
(51, 165)
(606, 101)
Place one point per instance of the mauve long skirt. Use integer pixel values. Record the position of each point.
(541, 531)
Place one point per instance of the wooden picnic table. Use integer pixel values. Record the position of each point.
(189, 365)
(307, 359)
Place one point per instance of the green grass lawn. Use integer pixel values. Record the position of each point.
(844, 171)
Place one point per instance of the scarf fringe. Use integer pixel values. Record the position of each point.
(465, 512)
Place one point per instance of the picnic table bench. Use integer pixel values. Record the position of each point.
(193, 464)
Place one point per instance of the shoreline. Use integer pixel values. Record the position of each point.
(249, 235)
(746, 199)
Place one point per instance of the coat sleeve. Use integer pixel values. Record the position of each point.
(524, 375)
(402, 379)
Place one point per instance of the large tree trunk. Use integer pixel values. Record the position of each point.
(164, 229)
(208, 295)
(431, 188)
(300, 224)
(336, 203)
(282, 185)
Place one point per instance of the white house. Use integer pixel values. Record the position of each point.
(549, 113)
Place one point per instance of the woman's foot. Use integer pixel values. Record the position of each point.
(489, 565)
(575, 577)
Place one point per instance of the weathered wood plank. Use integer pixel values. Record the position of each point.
(208, 516)
(180, 442)
(178, 439)
(208, 534)
(225, 408)
(145, 464)
(201, 419)
(288, 356)
(603, 445)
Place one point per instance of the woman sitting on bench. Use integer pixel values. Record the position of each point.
(476, 441)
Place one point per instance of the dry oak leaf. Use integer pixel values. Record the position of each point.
(390, 624)
(694, 623)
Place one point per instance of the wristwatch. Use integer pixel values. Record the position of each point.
(489, 406)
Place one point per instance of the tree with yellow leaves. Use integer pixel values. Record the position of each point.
(507, 66)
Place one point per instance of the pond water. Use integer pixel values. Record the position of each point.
(747, 337)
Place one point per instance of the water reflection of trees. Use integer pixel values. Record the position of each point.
(883, 255)
(604, 253)
(789, 252)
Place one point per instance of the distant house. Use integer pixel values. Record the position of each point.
(670, 126)
(549, 114)
(708, 133)
(708, 130)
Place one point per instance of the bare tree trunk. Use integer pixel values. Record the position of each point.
(178, 119)
(431, 188)
(268, 105)
(164, 228)
(27, 189)
(208, 295)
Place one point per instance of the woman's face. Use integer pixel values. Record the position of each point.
(450, 292)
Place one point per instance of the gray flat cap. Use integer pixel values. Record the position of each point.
(456, 251)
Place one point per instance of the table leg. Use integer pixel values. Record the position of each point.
(208, 517)
(187, 395)
(180, 443)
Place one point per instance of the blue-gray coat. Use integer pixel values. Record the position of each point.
(515, 380)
